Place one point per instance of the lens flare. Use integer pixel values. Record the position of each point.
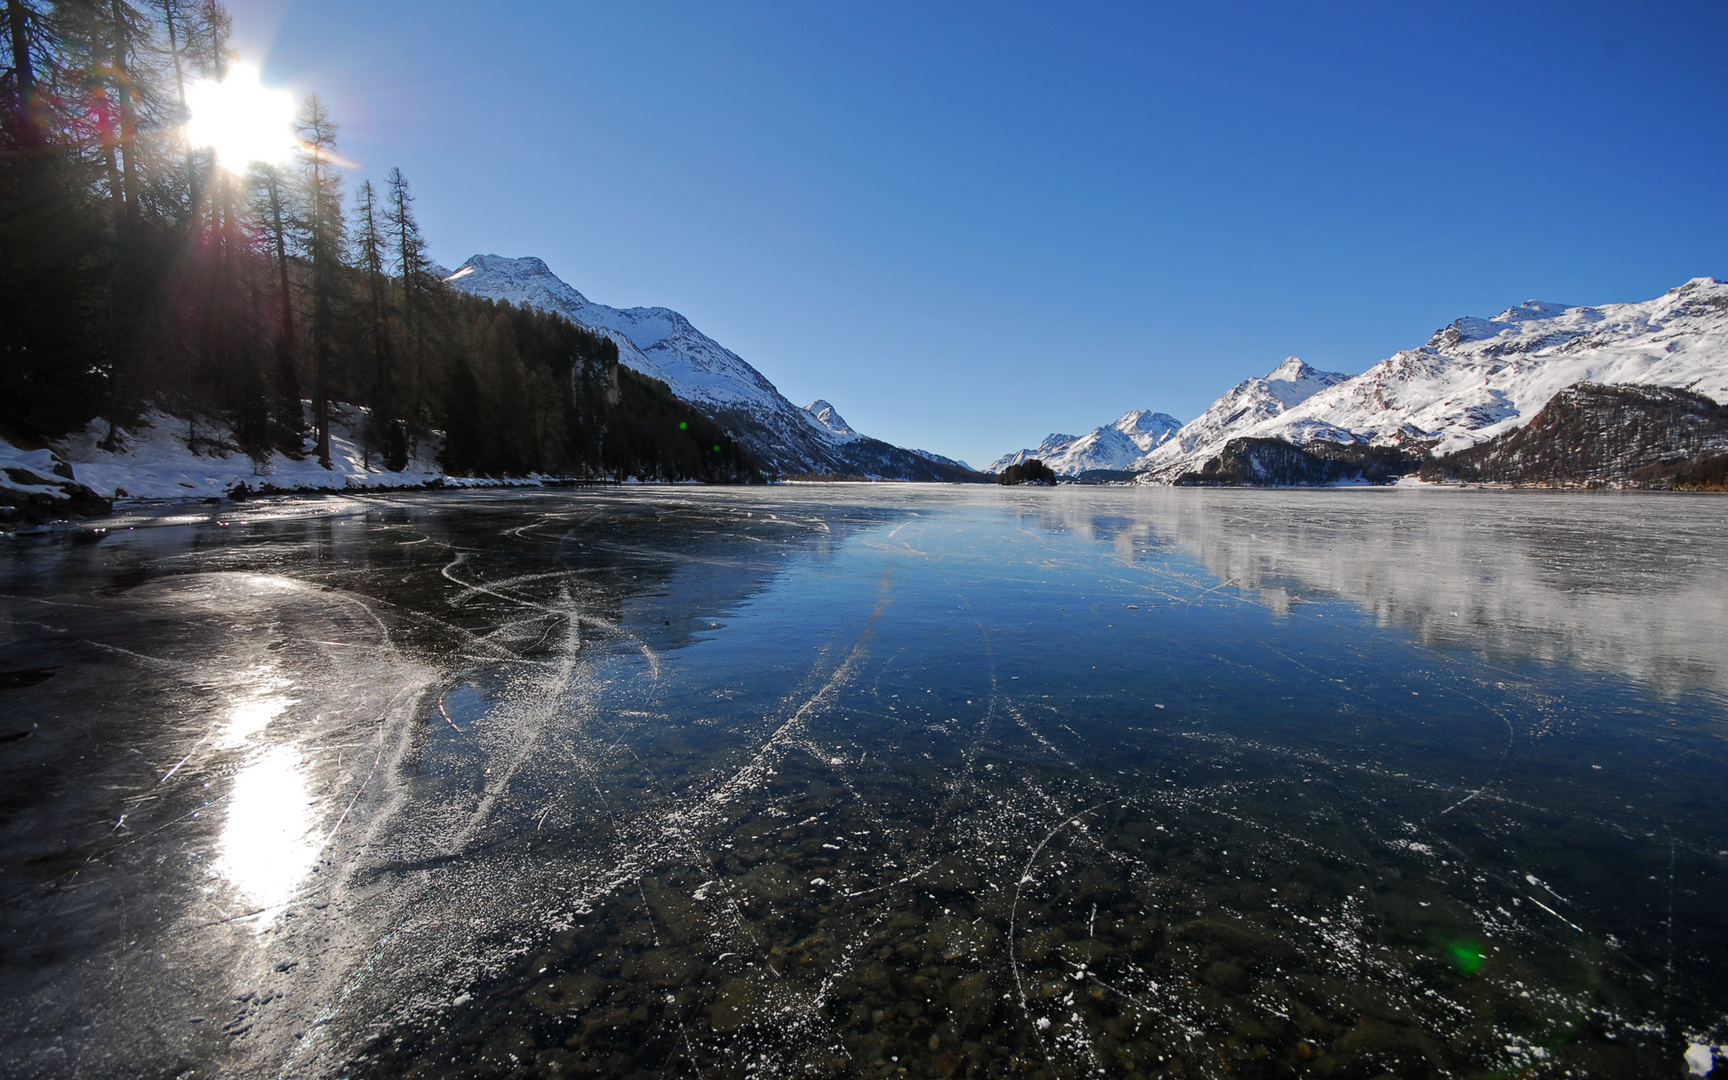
(1466, 955)
(241, 120)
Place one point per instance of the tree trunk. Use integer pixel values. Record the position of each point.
(23, 73)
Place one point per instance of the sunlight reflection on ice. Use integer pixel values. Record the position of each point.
(267, 844)
(267, 847)
(253, 713)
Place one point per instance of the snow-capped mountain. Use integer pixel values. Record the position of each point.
(1244, 407)
(1473, 380)
(1114, 446)
(1147, 429)
(662, 344)
(830, 418)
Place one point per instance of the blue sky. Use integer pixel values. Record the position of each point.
(968, 226)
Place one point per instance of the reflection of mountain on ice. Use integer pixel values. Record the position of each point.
(1633, 588)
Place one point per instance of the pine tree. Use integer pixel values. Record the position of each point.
(369, 244)
(271, 197)
(52, 366)
(134, 273)
(21, 82)
(411, 264)
(324, 242)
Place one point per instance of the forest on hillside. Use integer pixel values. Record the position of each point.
(138, 272)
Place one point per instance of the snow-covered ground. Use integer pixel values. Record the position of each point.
(1473, 380)
(153, 460)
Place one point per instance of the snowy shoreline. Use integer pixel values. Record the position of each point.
(153, 463)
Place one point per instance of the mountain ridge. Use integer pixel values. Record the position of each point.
(1473, 380)
(1114, 446)
(663, 344)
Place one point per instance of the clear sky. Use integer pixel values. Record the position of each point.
(968, 226)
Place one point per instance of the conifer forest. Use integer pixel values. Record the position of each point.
(139, 273)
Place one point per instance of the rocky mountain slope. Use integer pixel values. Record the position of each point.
(1111, 447)
(661, 343)
(1275, 463)
(829, 417)
(1474, 380)
(1241, 412)
(1592, 435)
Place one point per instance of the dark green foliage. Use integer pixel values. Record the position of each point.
(1103, 476)
(652, 429)
(53, 359)
(1592, 435)
(1030, 471)
(1276, 463)
(467, 445)
(135, 274)
(528, 391)
(1705, 474)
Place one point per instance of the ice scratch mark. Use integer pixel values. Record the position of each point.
(1013, 921)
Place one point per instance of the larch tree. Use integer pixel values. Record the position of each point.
(324, 240)
(411, 263)
(270, 195)
(369, 251)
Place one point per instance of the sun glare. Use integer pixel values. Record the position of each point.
(241, 119)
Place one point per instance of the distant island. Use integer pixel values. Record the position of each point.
(1030, 471)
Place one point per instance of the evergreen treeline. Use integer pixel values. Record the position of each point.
(1591, 435)
(1030, 471)
(1272, 462)
(137, 273)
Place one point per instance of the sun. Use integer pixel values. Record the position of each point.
(241, 120)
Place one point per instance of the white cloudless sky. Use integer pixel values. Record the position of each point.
(969, 225)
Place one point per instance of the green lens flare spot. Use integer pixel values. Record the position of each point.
(683, 425)
(1466, 955)
(716, 449)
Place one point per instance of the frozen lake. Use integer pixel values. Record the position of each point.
(869, 781)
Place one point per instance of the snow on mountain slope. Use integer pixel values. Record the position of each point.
(1053, 445)
(830, 418)
(657, 342)
(940, 460)
(1246, 405)
(662, 344)
(1114, 446)
(1474, 379)
(1147, 429)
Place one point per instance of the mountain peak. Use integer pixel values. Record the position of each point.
(1475, 380)
(527, 281)
(1532, 309)
(1111, 447)
(662, 344)
(829, 417)
(1293, 369)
